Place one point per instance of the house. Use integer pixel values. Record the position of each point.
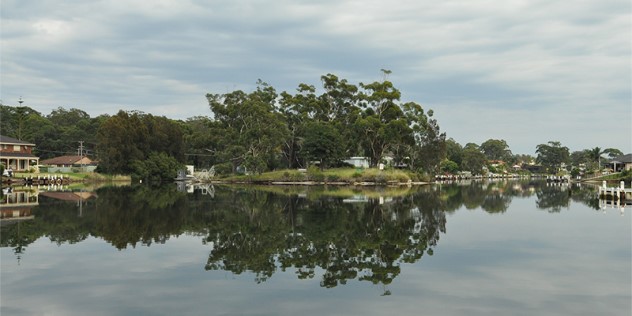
(68, 161)
(619, 163)
(358, 162)
(17, 154)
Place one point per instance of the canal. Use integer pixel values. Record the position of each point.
(475, 248)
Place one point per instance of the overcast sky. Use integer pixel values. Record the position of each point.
(527, 72)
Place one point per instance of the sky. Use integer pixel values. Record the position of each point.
(527, 72)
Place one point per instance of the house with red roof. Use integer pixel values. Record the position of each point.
(17, 154)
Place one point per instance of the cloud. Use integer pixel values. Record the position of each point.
(541, 58)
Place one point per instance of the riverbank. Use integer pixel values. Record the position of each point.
(336, 176)
(625, 176)
(62, 178)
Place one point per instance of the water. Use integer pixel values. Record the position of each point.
(504, 248)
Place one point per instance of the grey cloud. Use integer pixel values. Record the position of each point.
(542, 57)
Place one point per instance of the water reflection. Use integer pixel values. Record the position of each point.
(334, 234)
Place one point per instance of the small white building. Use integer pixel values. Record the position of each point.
(358, 162)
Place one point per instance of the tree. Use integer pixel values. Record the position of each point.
(495, 149)
(449, 166)
(473, 159)
(321, 142)
(157, 167)
(580, 157)
(132, 136)
(14, 120)
(122, 139)
(454, 151)
(552, 156)
(252, 129)
(200, 141)
(431, 148)
(383, 125)
(595, 154)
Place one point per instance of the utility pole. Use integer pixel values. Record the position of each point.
(21, 120)
(81, 153)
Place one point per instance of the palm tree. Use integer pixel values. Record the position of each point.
(595, 154)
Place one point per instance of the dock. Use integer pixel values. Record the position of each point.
(39, 180)
(615, 193)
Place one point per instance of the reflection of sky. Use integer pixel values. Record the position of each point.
(523, 262)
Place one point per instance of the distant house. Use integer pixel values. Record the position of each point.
(358, 162)
(17, 154)
(68, 161)
(623, 162)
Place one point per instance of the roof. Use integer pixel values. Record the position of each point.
(623, 158)
(64, 160)
(69, 196)
(17, 155)
(13, 141)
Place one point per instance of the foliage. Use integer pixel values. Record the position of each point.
(449, 166)
(552, 155)
(56, 134)
(133, 136)
(322, 143)
(473, 159)
(157, 167)
(251, 130)
(496, 149)
(315, 174)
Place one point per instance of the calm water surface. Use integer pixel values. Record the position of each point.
(503, 248)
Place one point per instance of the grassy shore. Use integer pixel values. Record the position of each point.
(625, 176)
(77, 177)
(330, 176)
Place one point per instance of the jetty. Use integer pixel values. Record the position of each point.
(39, 180)
(615, 193)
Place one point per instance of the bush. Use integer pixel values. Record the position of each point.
(157, 167)
(224, 168)
(314, 174)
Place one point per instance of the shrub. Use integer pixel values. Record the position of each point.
(157, 167)
(314, 174)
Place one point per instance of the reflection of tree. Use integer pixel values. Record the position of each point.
(261, 232)
(367, 241)
(141, 214)
(585, 194)
(496, 202)
(18, 235)
(553, 198)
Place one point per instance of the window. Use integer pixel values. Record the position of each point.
(16, 147)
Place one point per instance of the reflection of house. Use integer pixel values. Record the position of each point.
(69, 196)
(67, 161)
(17, 204)
(17, 154)
(623, 162)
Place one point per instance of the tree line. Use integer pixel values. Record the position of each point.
(265, 130)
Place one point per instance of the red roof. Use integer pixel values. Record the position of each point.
(65, 160)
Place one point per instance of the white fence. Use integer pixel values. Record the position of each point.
(54, 169)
